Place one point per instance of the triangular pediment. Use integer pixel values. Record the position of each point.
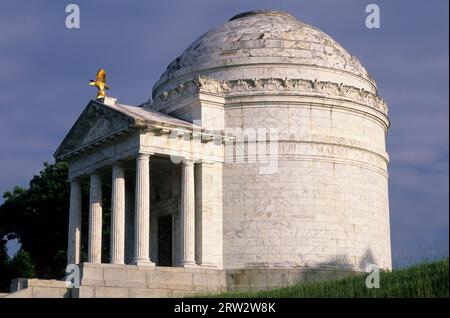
(96, 123)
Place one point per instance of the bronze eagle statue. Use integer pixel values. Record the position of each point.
(100, 83)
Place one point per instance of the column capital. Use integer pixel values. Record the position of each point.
(95, 174)
(117, 164)
(75, 179)
(187, 162)
(206, 162)
(118, 170)
(143, 156)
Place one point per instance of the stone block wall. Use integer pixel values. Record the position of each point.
(105, 280)
(327, 202)
(38, 288)
(129, 281)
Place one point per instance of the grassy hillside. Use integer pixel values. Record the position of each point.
(422, 280)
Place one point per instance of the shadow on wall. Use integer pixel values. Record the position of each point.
(344, 262)
(339, 266)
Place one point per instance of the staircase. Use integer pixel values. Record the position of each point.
(38, 288)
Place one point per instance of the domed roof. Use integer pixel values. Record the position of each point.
(264, 38)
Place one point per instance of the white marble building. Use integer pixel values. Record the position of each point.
(261, 154)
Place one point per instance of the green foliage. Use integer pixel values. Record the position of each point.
(37, 217)
(22, 266)
(4, 261)
(425, 280)
(3, 252)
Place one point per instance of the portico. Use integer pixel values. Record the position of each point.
(126, 153)
(142, 226)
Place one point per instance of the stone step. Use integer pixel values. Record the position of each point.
(127, 292)
(38, 288)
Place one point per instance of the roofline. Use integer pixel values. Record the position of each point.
(138, 124)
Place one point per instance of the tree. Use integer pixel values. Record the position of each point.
(3, 264)
(37, 217)
(21, 266)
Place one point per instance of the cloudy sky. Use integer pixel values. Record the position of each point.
(44, 69)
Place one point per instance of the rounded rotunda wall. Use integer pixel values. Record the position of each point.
(326, 204)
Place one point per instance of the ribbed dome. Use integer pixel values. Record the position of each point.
(257, 38)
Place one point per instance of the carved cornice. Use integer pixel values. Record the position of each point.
(298, 86)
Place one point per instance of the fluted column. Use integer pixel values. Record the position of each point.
(142, 206)
(74, 237)
(187, 213)
(95, 220)
(118, 215)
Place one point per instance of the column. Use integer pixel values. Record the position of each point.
(74, 237)
(129, 217)
(142, 206)
(95, 220)
(118, 215)
(187, 213)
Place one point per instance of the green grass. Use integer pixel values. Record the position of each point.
(424, 280)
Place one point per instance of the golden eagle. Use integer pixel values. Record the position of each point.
(100, 83)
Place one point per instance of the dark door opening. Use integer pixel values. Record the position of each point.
(165, 240)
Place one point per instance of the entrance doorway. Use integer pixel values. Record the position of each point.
(165, 240)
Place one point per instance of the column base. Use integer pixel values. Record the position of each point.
(117, 263)
(188, 264)
(143, 262)
(209, 265)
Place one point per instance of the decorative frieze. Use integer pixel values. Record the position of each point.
(299, 86)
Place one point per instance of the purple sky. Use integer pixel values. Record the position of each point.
(45, 67)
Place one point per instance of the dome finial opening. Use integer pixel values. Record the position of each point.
(260, 12)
